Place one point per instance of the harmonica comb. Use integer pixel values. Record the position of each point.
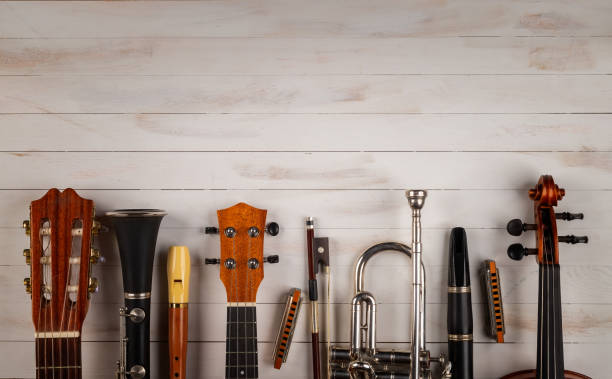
(287, 327)
(495, 325)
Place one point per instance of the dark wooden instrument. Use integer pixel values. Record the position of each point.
(179, 271)
(136, 231)
(459, 314)
(550, 332)
(60, 257)
(241, 229)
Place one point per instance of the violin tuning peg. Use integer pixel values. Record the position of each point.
(272, 228)
(574, 239)
(211, 230)
(212, 261)
(271, 259)
(517, 251)
(569, 216)
(516, 227)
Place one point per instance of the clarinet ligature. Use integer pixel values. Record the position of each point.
(363, 359)
(136, 231)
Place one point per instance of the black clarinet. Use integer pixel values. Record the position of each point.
(459, 322)
(136, 231)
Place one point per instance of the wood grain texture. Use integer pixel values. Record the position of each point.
(395, 18)
(256, 132)
(306, 56)
(306, 94)
(298, 170)
(471, 99)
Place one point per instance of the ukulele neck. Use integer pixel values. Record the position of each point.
(58, 356)
(241, 341)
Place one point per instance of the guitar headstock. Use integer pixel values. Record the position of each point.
(60, 257)
(241, 230)
(545, 196)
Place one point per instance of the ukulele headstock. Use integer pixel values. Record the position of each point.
(60, 256)
(241, 231)
(545, 196)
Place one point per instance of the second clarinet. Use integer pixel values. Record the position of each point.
(459, 322)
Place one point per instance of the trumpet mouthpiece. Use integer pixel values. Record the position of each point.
(416, 198)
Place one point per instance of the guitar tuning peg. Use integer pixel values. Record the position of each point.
(272, 228)
(566, 216)
(27, 282)
(212, 261)
(26, 225)
(97, 227)
(271, 259)
(574, 239)
(96, 257)
(211, 230)
(517, 251)
(28, 256)
(94, 285)
(516, 227)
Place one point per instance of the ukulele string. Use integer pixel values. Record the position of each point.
(234, 310)
(246, 308)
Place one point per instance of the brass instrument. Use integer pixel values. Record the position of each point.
(363, 359)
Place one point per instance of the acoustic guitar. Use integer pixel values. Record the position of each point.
(60, 256)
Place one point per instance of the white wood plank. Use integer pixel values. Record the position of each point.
(160, 56)
(293, 170)
(579, 284)
(321, 132)
(291, 19)
(306, 94)
(337, 209)
(345, 245)
(206, 359)
(583, 323)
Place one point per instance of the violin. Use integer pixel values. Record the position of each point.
(550, 331)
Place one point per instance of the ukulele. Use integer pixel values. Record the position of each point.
(241, 230)
(550, 331)
(60, 257)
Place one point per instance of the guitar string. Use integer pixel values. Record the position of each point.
(63, 314)
(40, 251)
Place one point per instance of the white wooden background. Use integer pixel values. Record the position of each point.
(323, 108)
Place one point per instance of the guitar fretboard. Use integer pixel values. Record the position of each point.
(58, 357)
(241, 342)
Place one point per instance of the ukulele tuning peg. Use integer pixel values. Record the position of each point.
(517, 251)
(516, 227)
(272, 228)
(211, 230)
(574, 239)
(212, 261)
(271, 259)
(566, 216)
(26, 225)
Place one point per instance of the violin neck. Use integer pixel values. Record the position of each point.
(550, 329)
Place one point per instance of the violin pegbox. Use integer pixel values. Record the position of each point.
(545, 195)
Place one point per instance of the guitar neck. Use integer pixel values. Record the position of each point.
(550, 330)
(241, 341)
(58, 357)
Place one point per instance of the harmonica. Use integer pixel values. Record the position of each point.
(287, 327)
(495, 326)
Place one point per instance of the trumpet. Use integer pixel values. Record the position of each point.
(362, 360)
